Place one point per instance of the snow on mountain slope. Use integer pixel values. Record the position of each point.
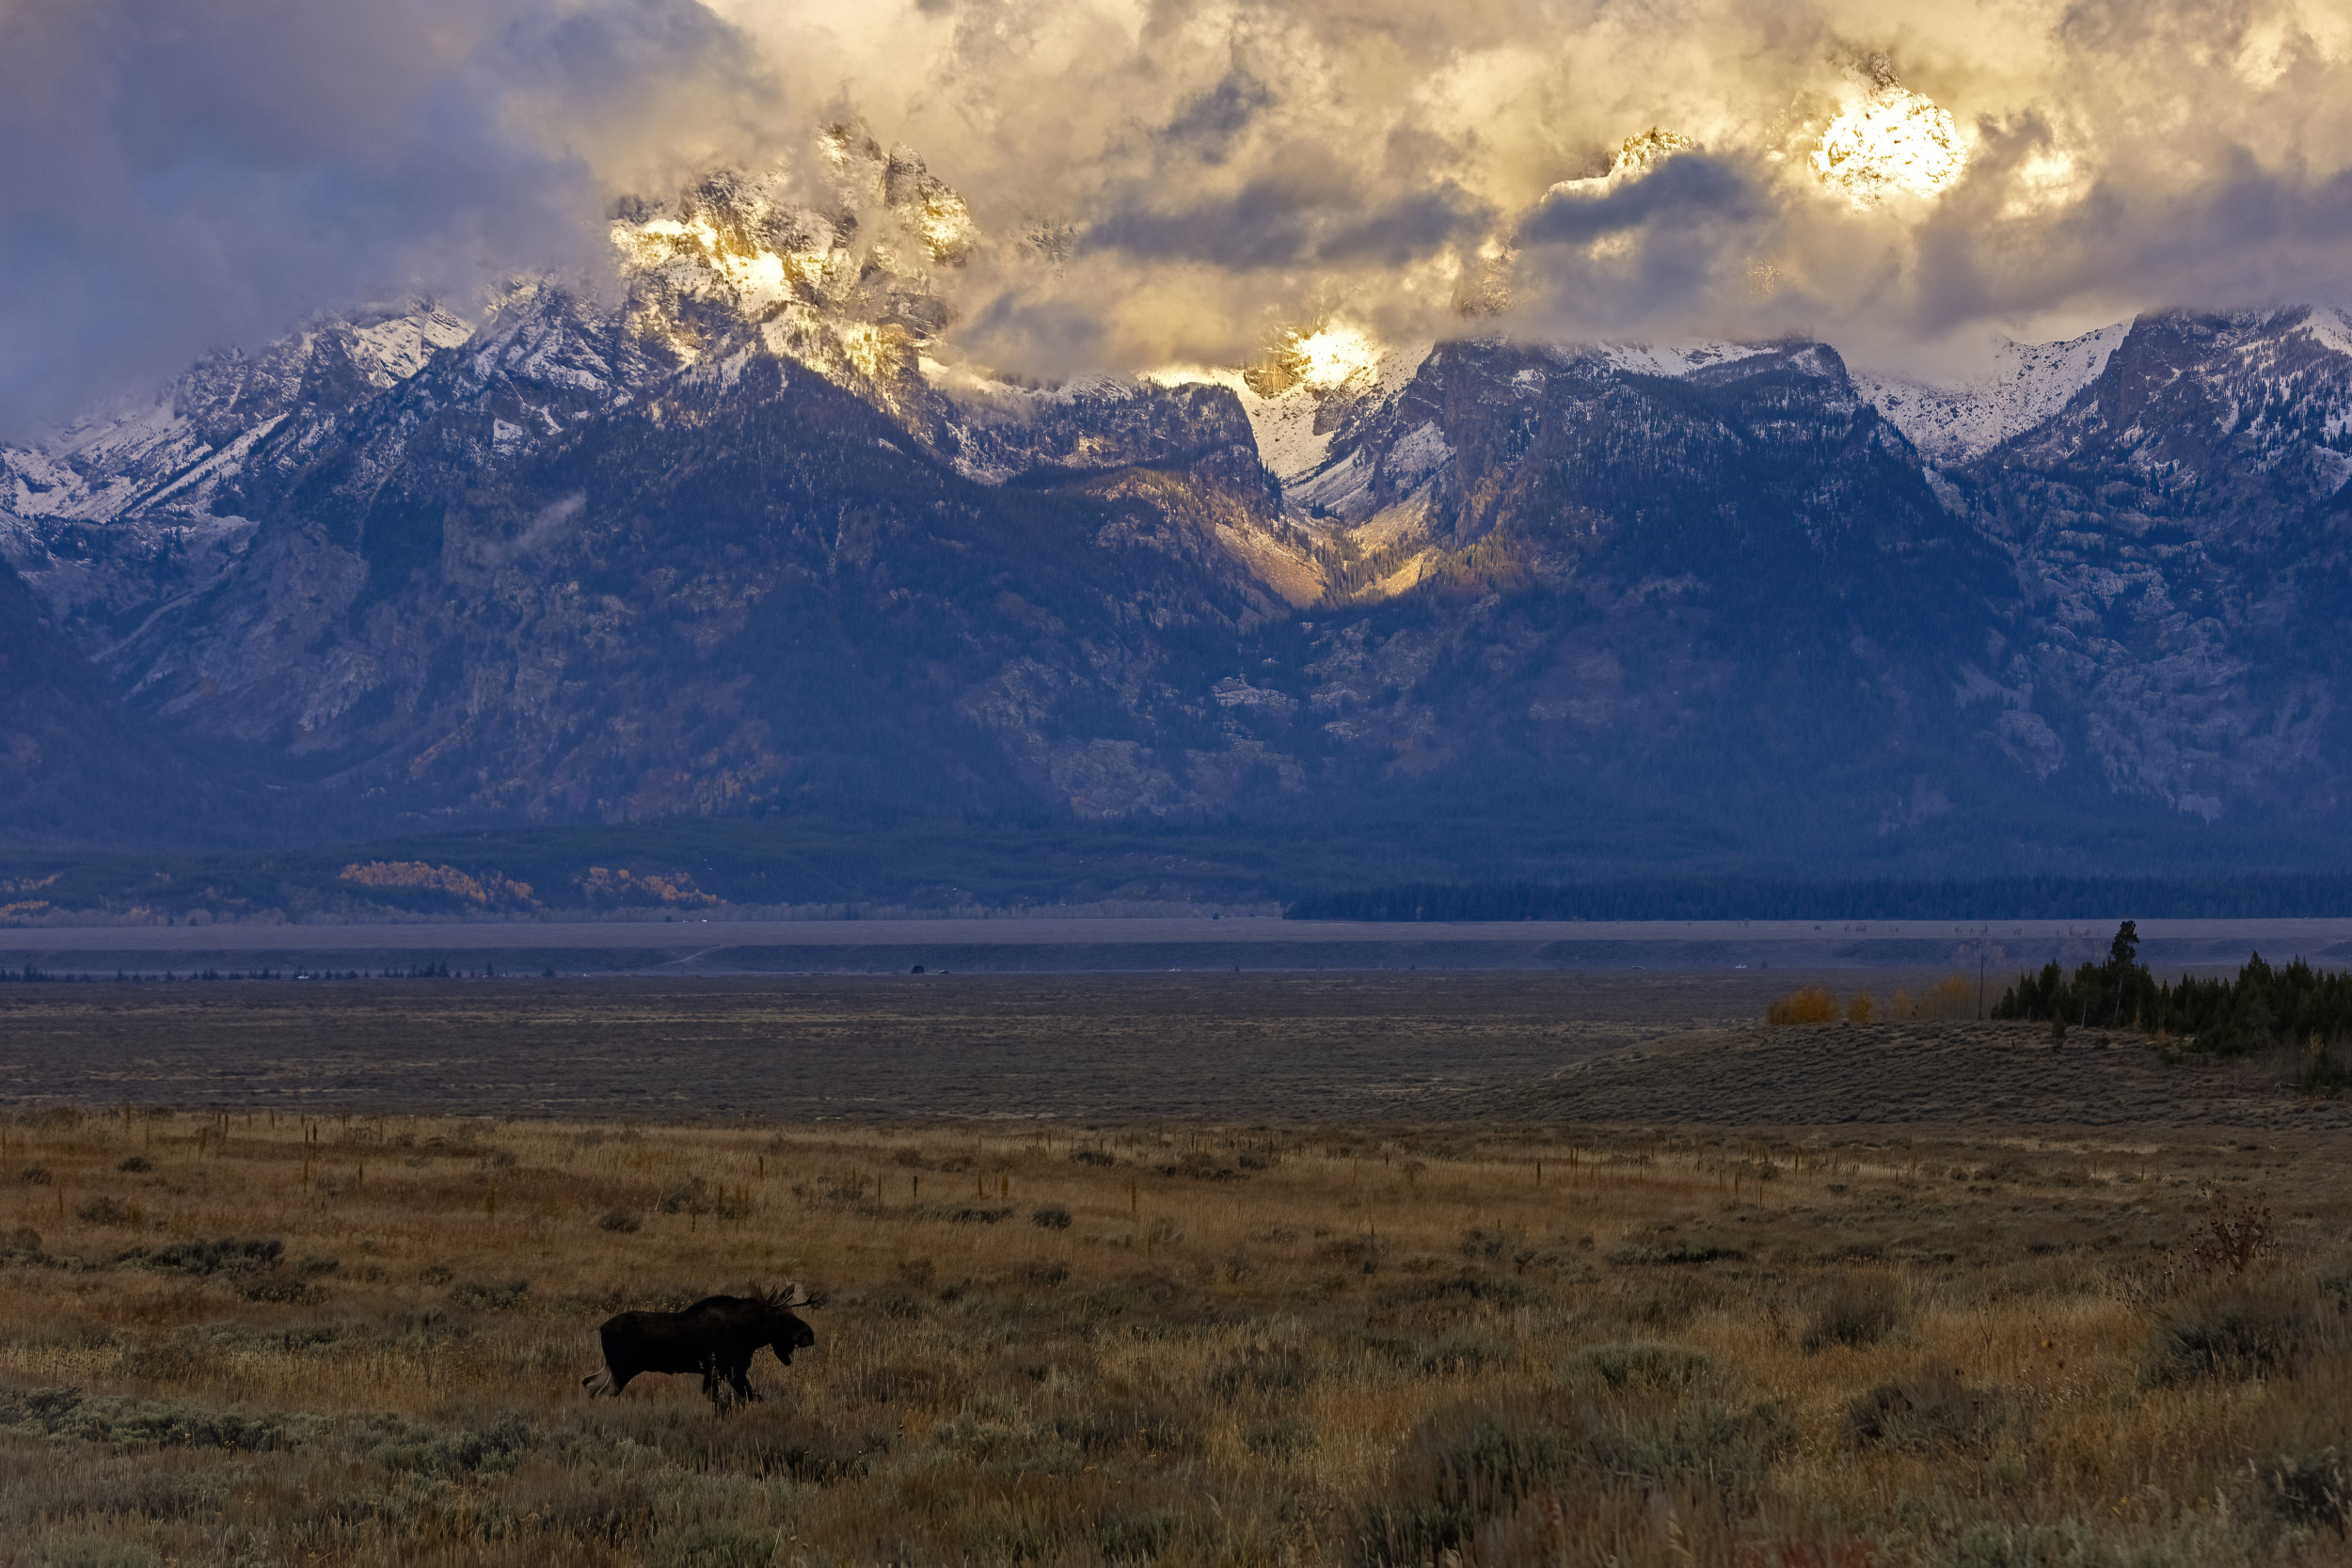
(1298, 396)
(2028, 383)
(845, 277)
(396, 347)
(1674, 360)
(172, 449)
(838, 276)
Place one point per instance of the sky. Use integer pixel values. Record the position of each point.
(1902, 178)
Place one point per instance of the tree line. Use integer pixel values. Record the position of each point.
(2241, 897)
(2265, 1005)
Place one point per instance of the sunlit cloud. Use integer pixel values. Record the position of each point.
(1127, 185)
(1890, 141)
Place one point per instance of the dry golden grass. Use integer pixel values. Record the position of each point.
(1181, 1345)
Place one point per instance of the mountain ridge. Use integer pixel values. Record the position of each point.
(744, 537)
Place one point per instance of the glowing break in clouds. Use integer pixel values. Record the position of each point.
(1158, 182)
(1890, 141)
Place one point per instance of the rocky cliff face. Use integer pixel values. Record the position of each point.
(2124, 603)
(1731, 587)
(747, 533)
(2181, 546)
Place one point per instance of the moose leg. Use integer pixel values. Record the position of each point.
(610, 1381)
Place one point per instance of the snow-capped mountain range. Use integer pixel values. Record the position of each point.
(751, 530)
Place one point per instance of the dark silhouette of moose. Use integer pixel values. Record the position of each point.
(716, 1337)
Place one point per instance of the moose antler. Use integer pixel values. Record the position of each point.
(794, 1294)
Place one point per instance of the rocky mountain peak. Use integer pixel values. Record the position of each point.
(757, 530)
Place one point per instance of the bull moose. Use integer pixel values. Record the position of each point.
(716, 1337)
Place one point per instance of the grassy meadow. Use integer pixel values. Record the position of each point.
(229, 1338)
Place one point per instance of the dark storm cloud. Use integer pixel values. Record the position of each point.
(186, 175)
(1208, 124)
(1691, 189)
(1310, 217)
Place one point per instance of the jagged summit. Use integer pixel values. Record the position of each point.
(1636, 156)
(167, 450)
(751, 528)
(851, 262)
(1887, 141)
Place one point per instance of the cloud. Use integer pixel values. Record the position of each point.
(1210, 122)
(189, 175)
(1292, 218)
(1232, 168)
(199, 172)
(1693, 188)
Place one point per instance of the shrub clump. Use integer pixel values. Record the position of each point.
(1639, 1364)
(137, 1164)
(1051, 1216)
(495, 1296)
(1123, 1428)
(1457, 1473)
(2233, 1336)
(135, 1422)
(1263, 1371)
(692, 1195)
(1492, 1288)
(2313, 1490)
(280, 1290)
(219, 1255)
(1469, 1475)
(1662, 1254)
(2233, 1242)
(1929, 1415)
(1856, 1312)
(620, 1220)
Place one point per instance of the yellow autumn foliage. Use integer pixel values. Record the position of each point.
(1810, 1006)
(485, 890)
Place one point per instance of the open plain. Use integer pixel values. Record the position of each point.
(1184, 1270)
(693, 1048)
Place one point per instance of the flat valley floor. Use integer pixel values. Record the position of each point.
(1361, 1270)
(1203, 1047)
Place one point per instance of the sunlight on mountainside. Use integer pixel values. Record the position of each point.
(758, 276)
(1332, 354)
(1636, 156)
(1892, 141)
